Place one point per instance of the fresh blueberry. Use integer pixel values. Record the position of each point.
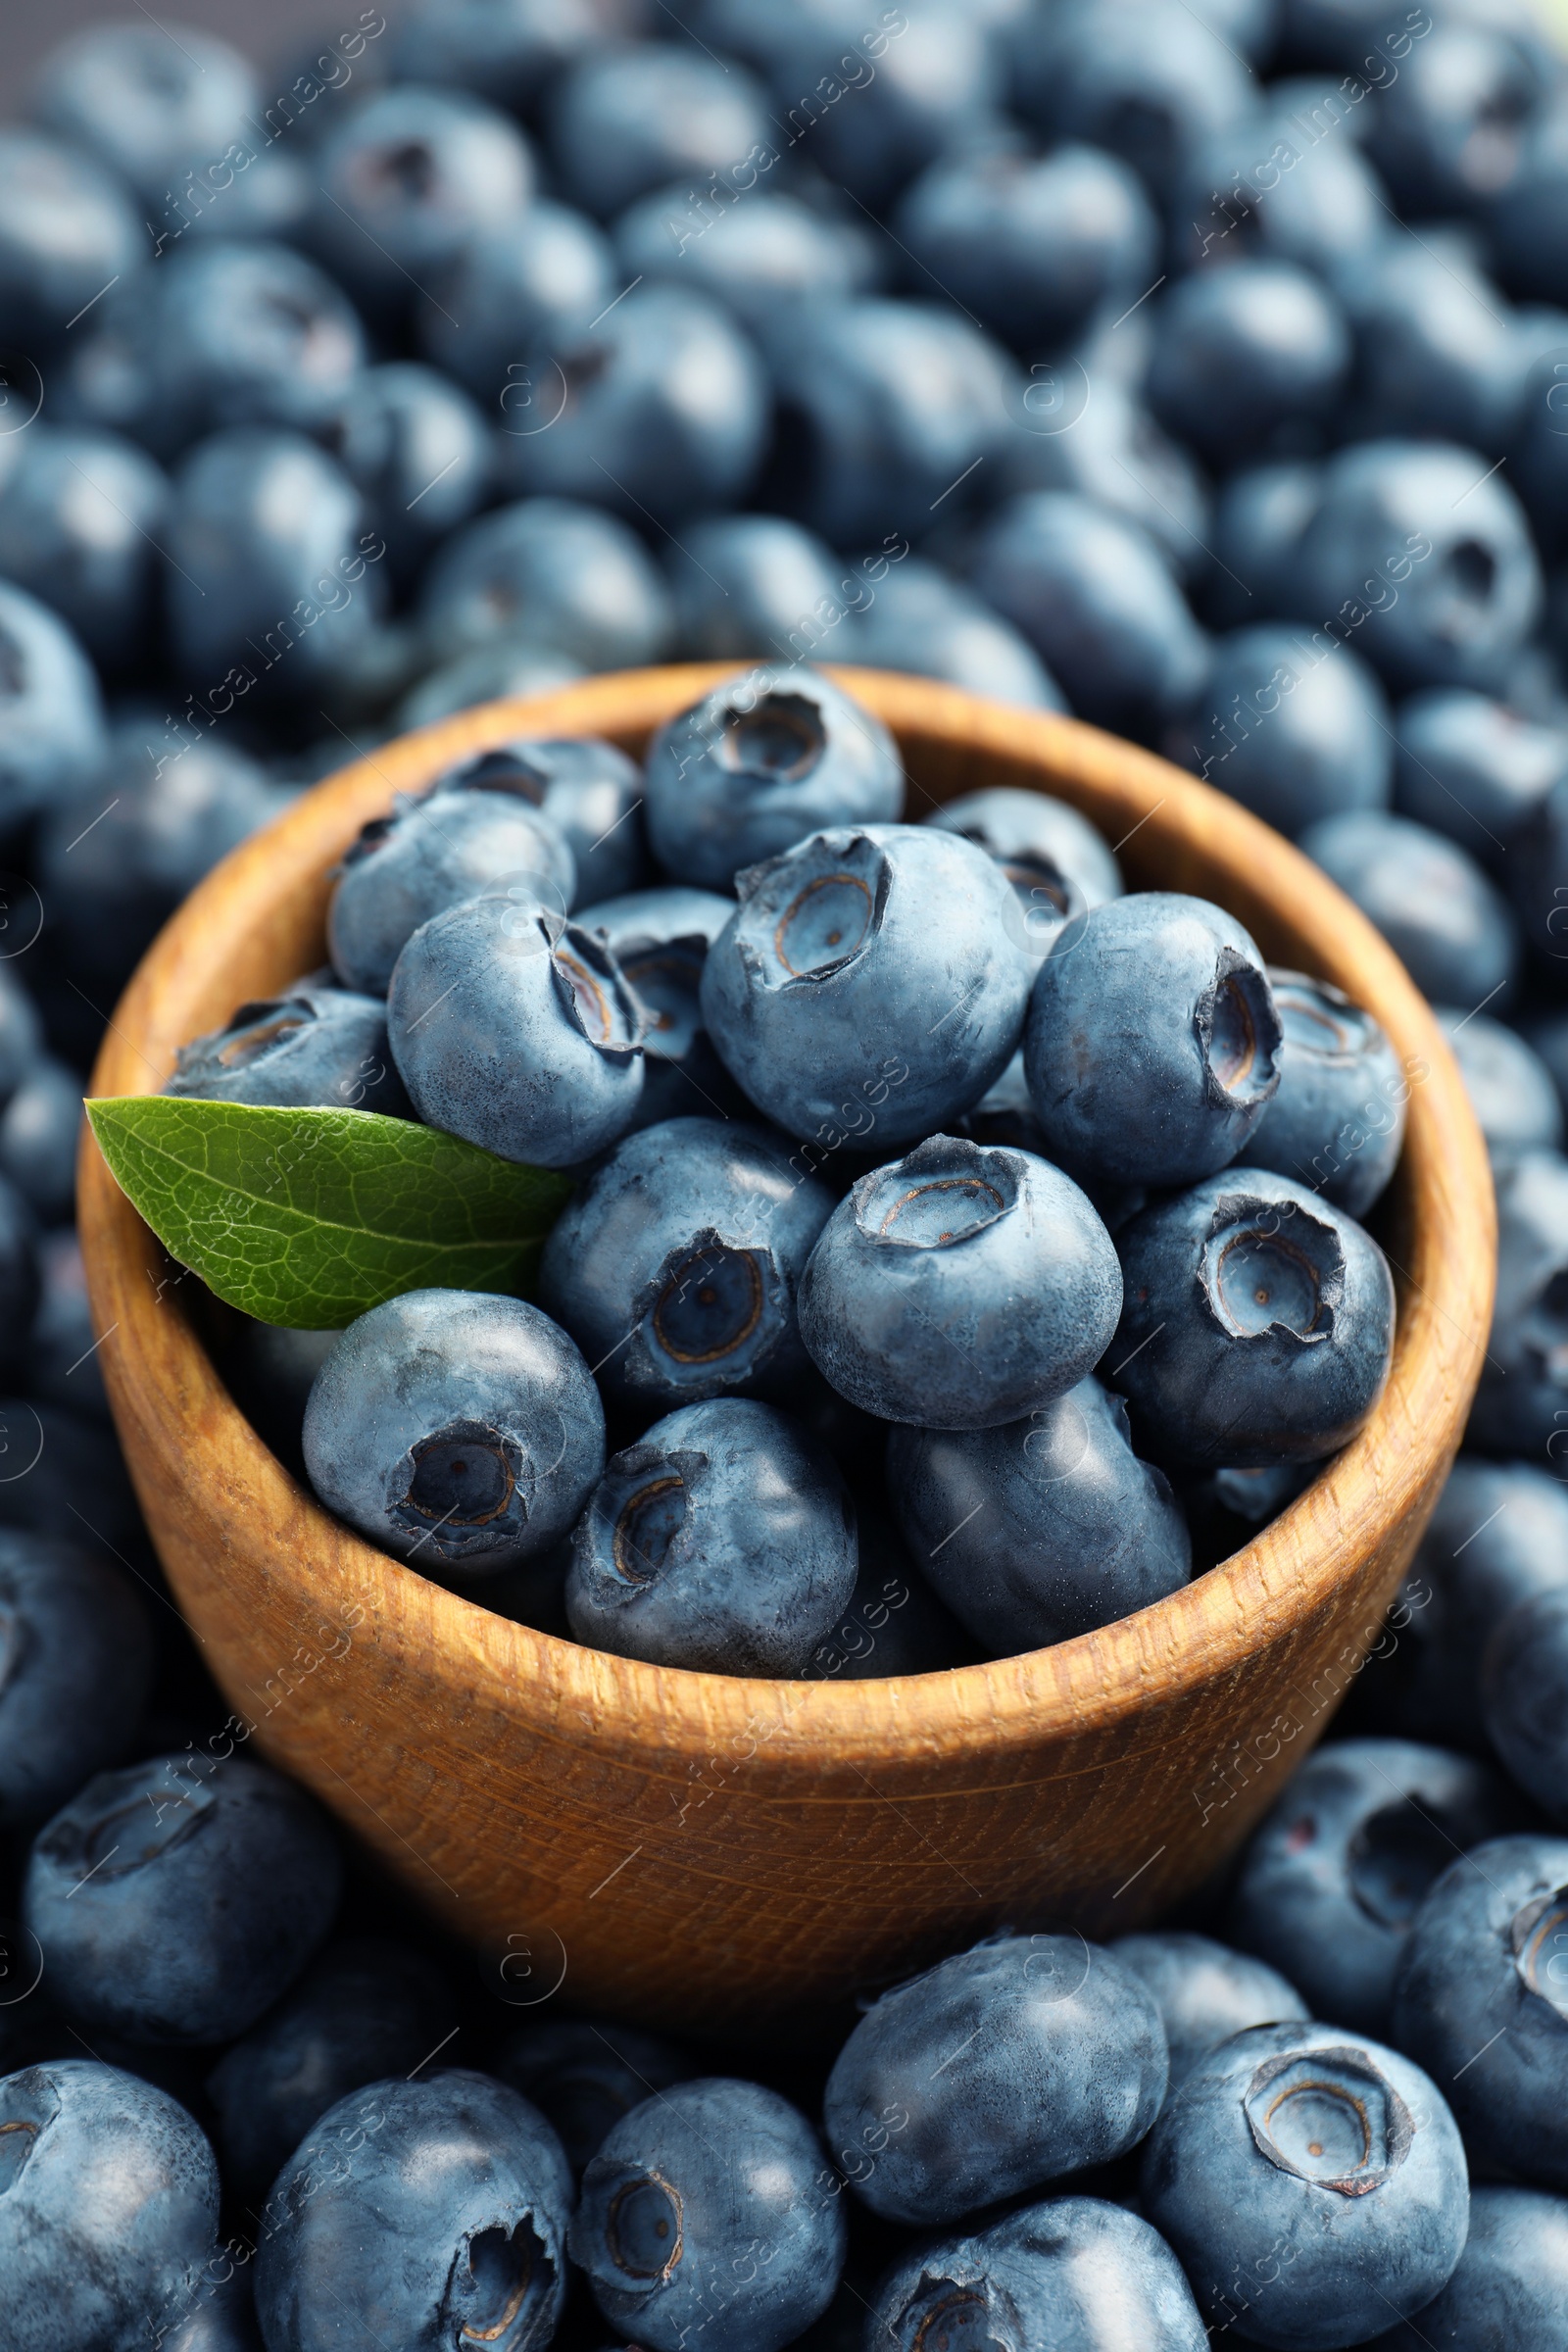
(1260, 516)
(1456, 116)
(584, 787)
(1444, 919)
(959, 1288)
(505, 50)
(883, 408)
(405, 182)
(1333, 1878)
(760, 761)
(585, 2073)
(109, 2213)
(1312, 2184)
(313, 1045)
(1511, 2285)
(554, 572)
(1284, 184)
(148, 105)
(274, 581)
(1094, 596)
(1135, 81)
(1525, 220)
(685, 2195)
(513, 285)
(499, 671)
(763, 258)
(516, 1030)
(676, 1266)
(64, 1360)
(245, 332)
(1436, 359)
(873, 975)
(1248, 359)
(995, 2072)
(1524, 1697)
(749, 585)
(1041, 1529)
(1032, 245)
(457, 1421)
(1105, 446)
(364, 2010)
(418, 450)
(75, 1665)
(1524, 1379)
(624, 120)
(1425, 557)
(724, 1541)
(1538, 860)
(1059, 866)
(1473, 769)
(1070, 2272)
(1258, 1323)
(661, 939)
(66, 231)
(1510, 1088)
(178, 1898)
(1152, 1042)
(433, 852)
(20, 1033)
(923, 619)
(73, 1478)
(658, 407)
(1295, 731)
(870, 111)
(51, 717)
(1206, 1992)
(1482, 2003)
(893, 1622)
(1337, 1122)
(79, 526)
(421, 2214)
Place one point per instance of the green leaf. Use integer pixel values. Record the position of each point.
(310, 1217)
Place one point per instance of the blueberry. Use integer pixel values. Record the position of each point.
(754, 584)
(276, 581)
(405, 180)
(51, 717)
(245, 332)
(760, 760)
(493, 672)
(1056, 862)
(64, 1361)
(685, 2195)
(763, 258)
(110, 2207)
(871, 976)
(724, 1541)
(1105, 446)
(1523, 1380)
(1134, 81)
(631, 117)
(658, 407)
(556, 573)
(1206, 1992)
(1248, 359)
(883, 408)
(1152, 1042)
(1510, 1088)
(1482, 2003)
(676, 1266)
(1425, 558)
(1457, 114)
(79, 526)
(1284, 184)
(420, 2214)
(509, 286)
(959, 1288)
(1041, 1529)
(457, 1421)
(221, 2317)
(506, 50)
(178, 1898)
(1096, 599)
(1052, 2057)
(1524, 1697)
(585, 2073)
(584, 787)
(1334, 1877)
(1260, 516)
(364, 2010)
(313, 1045)
(1295, 732)
(1473, 769)
(1337, 1122)
(69, 1460)
(1511, 2285)
(1434, 359)
(418, 450)
(1032, 245)
(20, 1035)
(145, 103)
(893, 1622)
(1072, 2271)
(661, 939)
(1311, 2185)
(1525, 220)
(1258, 1323)
(1434, 906)
(896, 101)
(516, 1031)
(75, 1665)
(1538, 860)
(923, 619)
(431, 853)
(66, 231)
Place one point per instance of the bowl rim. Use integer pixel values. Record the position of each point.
(1289, 1574)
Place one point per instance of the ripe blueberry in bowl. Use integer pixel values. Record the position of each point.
(1056, 862)
(586, 788)
(959, 1288)
(869, 976)
(314, 1043)
(457, 1430)
(661, 939)
(1336, 1121)
(1257, 1324)
(676, 1266)
(724, 1541)
(1206, 1992)
(770, 755)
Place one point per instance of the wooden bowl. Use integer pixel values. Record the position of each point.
(718, 1853)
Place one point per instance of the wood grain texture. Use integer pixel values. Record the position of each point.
(716, 1852)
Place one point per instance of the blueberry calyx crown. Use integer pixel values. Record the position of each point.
(1317, 1019)
(464, 1485)
(778, 739)
(708, 1301)
(498, 2277)
(29, 2105)
(642, 1506)
(645, 2228)
(1270, 1270)
(955, 2314)
(1330, 2116)
(124, 1836)
(1538, 1933)
(1239, 1032)
(936, 1195)
(807, 915)
(593, 990)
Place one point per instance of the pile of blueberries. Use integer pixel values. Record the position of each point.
(1196, 369)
